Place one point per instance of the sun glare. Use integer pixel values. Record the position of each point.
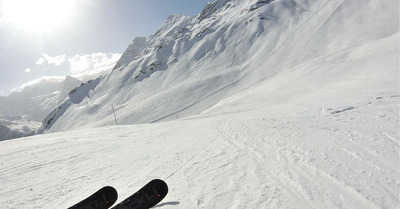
(39, 15)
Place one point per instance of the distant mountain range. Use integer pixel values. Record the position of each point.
(21, 113)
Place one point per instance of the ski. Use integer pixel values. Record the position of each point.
(148, 196)
(102, 199)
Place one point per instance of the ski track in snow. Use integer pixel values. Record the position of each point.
(256, 159)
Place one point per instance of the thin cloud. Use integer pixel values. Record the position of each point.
(92, 63)
(83, 67)
(46, 59)
(43, 79)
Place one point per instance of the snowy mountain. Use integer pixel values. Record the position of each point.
(193, 62)
(12, 127)
(36, 100)
(30, 106)
(250, 104)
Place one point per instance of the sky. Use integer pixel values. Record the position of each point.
(53, 38)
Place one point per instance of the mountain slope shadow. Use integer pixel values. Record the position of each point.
(76, 96)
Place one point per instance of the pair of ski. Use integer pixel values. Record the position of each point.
(148, 196)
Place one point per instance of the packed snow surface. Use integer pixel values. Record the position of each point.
(307, 116)
(338, 150)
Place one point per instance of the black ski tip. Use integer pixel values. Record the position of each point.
(111, 194)
(159, 189)
(102, 199)
(148, 196)
(160, 183)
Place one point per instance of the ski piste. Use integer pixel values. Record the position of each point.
(148, 196)
(102, 199)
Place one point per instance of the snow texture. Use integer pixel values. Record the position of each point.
(294, 104)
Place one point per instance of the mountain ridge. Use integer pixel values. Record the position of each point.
(21, 113)
(233, 46)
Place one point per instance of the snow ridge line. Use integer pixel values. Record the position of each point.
(288, 38)
(209, 97)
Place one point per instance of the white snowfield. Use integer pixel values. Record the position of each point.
(311, 121)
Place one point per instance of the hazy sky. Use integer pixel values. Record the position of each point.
(58, 38)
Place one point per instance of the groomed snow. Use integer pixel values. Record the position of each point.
(341, 152)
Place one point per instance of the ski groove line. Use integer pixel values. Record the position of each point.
(393, 139)
(191, 159)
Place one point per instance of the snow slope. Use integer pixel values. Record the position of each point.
(193, 62)
(335, 148)
(309, 120)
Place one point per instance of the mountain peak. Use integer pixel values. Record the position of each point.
(173, 23)
(131, 52)
(214, 7)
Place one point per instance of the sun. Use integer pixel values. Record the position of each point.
(39, 15)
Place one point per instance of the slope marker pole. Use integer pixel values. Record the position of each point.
(115, 117)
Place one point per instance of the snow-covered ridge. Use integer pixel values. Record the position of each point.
(191, 63)
(213, 7)
(131, 52)
(75, 96)
(259, 4)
